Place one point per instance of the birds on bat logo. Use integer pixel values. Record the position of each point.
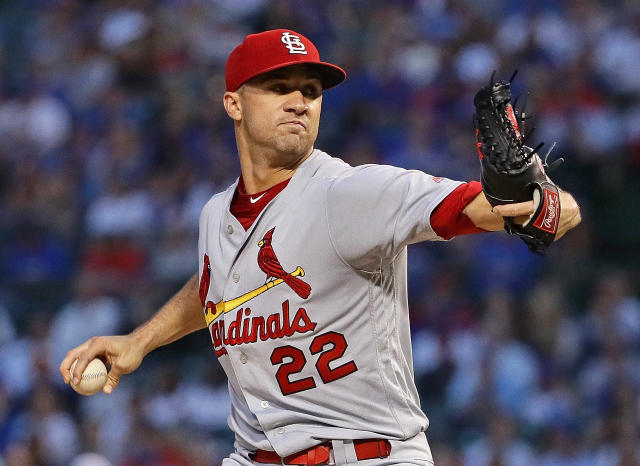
(269, 264)
(247, 328)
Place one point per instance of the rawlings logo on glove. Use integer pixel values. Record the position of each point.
(550, 212)
(512, 172)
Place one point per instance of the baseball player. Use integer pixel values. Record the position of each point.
(302, 276)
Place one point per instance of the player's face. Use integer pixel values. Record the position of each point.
(280, 111)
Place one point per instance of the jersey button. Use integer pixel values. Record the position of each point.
(264, 404)
(244, 358)
(229, 229)
(280, 430)
(236, 278)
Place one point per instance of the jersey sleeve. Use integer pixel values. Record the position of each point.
(376, 210)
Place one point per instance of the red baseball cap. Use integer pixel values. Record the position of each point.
(270, 50)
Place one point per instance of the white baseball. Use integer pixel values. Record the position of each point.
(93, 378)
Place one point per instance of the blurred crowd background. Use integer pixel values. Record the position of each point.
(113, 136)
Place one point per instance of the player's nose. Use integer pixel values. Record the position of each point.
(296, 103)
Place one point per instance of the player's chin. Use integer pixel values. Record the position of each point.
(294, 144)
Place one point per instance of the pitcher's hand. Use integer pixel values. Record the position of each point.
(569, 213)
(122, 354)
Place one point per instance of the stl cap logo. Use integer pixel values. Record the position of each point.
(293, 43)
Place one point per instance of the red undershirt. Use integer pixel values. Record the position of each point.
(447, 220)
(246, 207)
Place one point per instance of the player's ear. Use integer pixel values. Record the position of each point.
(231, 101)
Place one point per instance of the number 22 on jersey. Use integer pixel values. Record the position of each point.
(336, 344)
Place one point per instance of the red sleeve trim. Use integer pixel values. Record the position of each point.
(447, 220)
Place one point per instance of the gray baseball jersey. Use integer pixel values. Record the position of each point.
(307, 310)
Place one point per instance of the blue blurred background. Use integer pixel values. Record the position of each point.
(113, 136)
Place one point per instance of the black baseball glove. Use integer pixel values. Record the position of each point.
(511, 171)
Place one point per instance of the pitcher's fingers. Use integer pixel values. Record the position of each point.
(515, 210)
(95, 346)
(112, 382)
(67, 362)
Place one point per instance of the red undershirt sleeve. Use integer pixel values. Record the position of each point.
(447, 220)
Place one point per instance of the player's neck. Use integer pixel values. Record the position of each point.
(260, 174)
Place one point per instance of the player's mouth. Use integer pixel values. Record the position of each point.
(295, 123)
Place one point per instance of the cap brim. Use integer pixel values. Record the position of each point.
(330, 75)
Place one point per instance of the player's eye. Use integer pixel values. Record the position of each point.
(278, 89)
(311, 92)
